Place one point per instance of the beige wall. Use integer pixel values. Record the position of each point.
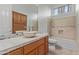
(43, 13)
(64, 27)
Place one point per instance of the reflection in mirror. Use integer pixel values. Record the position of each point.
(32, 14)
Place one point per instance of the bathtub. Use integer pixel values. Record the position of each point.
(64, 43)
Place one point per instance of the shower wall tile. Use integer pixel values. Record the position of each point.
(64, 27)
(66, 21)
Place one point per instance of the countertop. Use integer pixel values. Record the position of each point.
(8, 45)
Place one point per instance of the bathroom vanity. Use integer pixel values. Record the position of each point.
(26, 46)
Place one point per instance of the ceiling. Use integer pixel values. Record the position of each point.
(34, 7)
(37, 5)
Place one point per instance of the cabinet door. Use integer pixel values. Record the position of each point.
(19, 21)
(15, 17)
(46, 45)
(24, 20)
(30, 48)
(41, 49)
(33, 52)
(16, 52)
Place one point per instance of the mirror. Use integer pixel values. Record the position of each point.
(31, 12)
(6, 17)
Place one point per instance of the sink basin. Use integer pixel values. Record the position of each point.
(29, 34)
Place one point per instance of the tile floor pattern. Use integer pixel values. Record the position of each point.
(57, 50)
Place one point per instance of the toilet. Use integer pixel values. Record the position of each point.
(52, 41)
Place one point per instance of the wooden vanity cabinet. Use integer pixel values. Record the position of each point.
(39, 47)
